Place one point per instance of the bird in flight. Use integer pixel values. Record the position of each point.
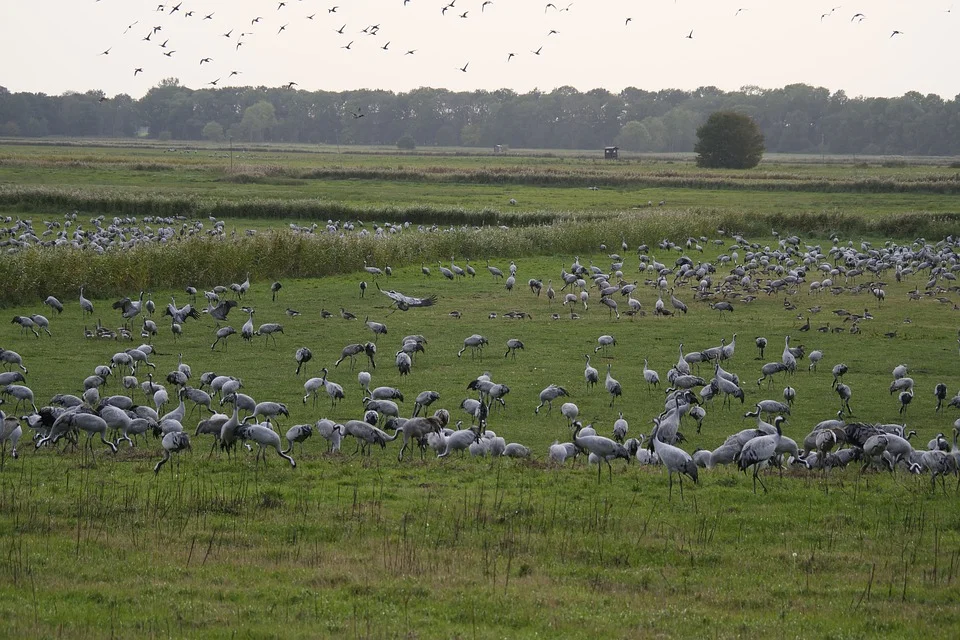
(464, 67)
(859, 17)
(349, 44)
(333, 9)
(209, 16)
(896, 33)
(283, 28)
(280, 5)
(537, 52)
(227, 34)
(169, 53)
(107, 52)
(690, 35)
(410, 52)
(164, 45)
(176, 7)
(147, 38)
(290, 85)
(233, 73)
(256, 20)
(311, 16)
(239, 42)
(627, 21)
(214, 82)
(384, 47)
(549, 4)
(738, 12)
(202, 60)
(552, 32)
(464, 14)
(188, 14)
(510, 55)
(484, 5)
(340, 30)
(130, 26)
(136, 71)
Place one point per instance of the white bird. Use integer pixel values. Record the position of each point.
(651, 376)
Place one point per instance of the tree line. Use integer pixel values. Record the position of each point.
(797, 118)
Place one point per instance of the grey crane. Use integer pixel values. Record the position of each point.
(8, 357)
(759, 450)
(761, 343)
(246, 331)
(85, 305)
(446, 273)
(839, 370)
(845, 394)
(419, 428)
(513, 344)
(605, 341)
(26, 324)
(364, 378)
(220, 312)
(222, 334)
(620, 428)
(475, 343)
(265, 437)
(303, 355)
(274, 289)
(604, 448)
(128, 308)
(269, 330)
(814, 357)
(548, 395)
(788, 359)
(42, 322)
(173, 442)
(424, 399)
(590, 374)
(270, 410)
(378, 328)
(651, 377)
(676, 460)
(53, 303)
(334, 390)
(905, 398)
(613, 386)
(404, 363)
(940, 392)
(22, 393)
(10, 431)
(298, 433)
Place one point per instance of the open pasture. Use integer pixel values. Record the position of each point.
(367, 546)
(298, 183)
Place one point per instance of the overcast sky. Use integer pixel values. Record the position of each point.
(53, 46)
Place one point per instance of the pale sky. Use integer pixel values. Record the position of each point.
(52, 46)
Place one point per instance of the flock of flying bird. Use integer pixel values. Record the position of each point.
(787, 269)
(283, 18)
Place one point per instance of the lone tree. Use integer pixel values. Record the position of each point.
(729, 140)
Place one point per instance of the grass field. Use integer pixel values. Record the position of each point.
(352, 546)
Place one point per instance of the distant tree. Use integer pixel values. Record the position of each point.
(257, 121)
(406, 142)
(729, 140)
(212, 131)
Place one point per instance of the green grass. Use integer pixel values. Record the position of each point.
(347, 546)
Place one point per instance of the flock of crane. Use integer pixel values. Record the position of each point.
(787, 269)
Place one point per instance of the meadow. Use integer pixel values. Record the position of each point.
(346, 545)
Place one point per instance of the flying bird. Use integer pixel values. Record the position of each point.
(107, 52)
(283, 28)
(537, 52)
(348, 45)
(170, 53)
(510, 55)
(256, 20)
(233, 73)
(227, 34)
(690, 35)
(408, 302)
(340, 30)
(137, 70)
(464, 67)
(859, 17)
(214, 82)
(334, 9)
(896, 33)
(627, 21)
(202, 60)
(209, 16)
(410, 52)
(484, 5)
(384, 47)
(549, 4)
(290, 85)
